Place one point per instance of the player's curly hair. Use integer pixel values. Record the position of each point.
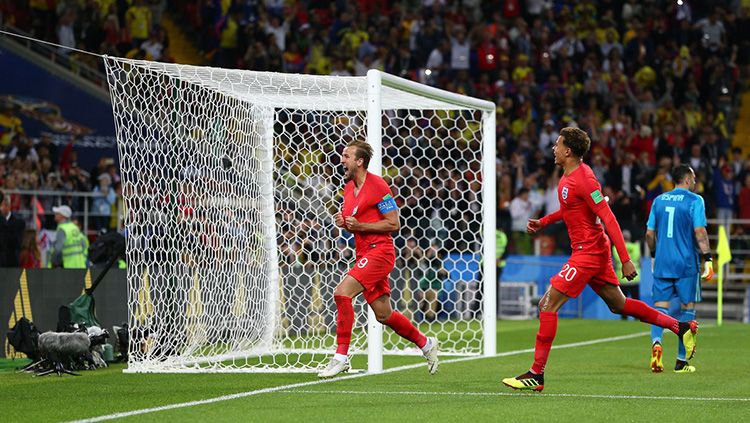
(577, 140)
(364, 151)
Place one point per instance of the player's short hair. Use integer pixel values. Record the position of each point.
(680, 172)
(364, 151)
(577, 140)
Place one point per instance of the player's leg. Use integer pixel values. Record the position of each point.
(657, 365)
(343, 294)
(619, 304)
(385, 314)
(688, 290)
(549, 304)
(662, 291)
(374, 275)
(396, 321)
(687, 314)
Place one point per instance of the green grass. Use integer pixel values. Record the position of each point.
(461, 391)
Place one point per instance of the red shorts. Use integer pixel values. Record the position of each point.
(595, 270)
(372, 270)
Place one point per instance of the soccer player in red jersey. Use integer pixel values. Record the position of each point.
(371, 214)
(581, 203)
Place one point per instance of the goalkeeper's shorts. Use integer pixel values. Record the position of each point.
(687, 289)
(372, 271)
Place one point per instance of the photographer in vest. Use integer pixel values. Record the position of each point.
(69, 250)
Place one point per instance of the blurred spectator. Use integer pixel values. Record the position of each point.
(30, 257)
(521, 211)
(65, 32)
(138, 21)
(431, 283)
(154, 46)
(724, 189)
(103, 200)
(10, 125)
(11, 233)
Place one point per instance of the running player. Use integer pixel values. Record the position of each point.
(581, 203)
(371, 214)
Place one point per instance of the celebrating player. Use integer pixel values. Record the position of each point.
(371, 214)
(581, 202)
(677, 223)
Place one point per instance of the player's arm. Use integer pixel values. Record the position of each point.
(536, 225)
(599, 205)
(389, 223)
(701, 237)
(388, 209)
(651, 241)
(614, 231)
(698, 214)
(651, 231)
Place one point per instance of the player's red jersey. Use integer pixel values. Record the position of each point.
(580, 198)
(368, 206)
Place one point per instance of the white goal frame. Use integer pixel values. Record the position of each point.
(373, 95)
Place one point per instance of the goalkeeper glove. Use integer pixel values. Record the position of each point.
(708, 268)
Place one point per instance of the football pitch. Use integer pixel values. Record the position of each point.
(597, 370)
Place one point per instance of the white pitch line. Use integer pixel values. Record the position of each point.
(512, 394)
(336, 379)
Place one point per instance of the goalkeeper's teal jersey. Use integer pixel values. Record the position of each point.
(674, 217)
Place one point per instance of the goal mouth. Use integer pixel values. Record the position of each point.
(230, 181)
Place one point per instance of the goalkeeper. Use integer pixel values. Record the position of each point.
(371, 214)
(676, 232)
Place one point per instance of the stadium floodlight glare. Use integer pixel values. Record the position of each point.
(230, 180)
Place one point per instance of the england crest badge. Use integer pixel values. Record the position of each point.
(565, 193)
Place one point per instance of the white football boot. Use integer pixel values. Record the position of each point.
(335, 366)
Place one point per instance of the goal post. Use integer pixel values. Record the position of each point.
(230, 179)
(376, 80)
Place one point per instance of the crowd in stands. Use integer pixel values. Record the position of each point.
(125, 28)
(654, 83)
(40, 165)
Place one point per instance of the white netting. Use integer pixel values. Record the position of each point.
(230, 179)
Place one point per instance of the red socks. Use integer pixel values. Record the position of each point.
(402, 326)
(544, 338)
(344, 322)
(644, 313)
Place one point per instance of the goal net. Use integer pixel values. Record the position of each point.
(230, 179)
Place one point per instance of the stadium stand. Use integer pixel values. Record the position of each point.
(654, 83)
